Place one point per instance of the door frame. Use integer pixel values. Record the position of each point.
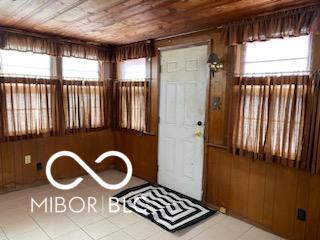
(209, 44)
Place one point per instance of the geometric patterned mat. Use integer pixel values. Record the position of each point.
(170, 210)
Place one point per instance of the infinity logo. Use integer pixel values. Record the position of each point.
(76, 182)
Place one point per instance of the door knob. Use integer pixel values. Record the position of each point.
(199, 123)
(198, 134)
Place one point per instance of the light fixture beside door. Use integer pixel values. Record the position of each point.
(215, 63)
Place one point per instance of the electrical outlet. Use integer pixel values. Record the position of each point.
(27, 159)
(223, 210)
(302, 215)
(39, 166)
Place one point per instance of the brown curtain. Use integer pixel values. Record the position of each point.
(25, 43)
(131, 105)
(29, 108)
(85, 51)
(52, 46)
(133, 51)
(311, 137)
(282, 24)
(276, 119)
(86, 105)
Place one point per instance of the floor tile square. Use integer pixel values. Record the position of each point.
(100, 229)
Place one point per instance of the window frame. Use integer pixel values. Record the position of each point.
(61, 69)
(241, 52)
(51, 74)
(56, 74)
(147, 71)
(239, 67)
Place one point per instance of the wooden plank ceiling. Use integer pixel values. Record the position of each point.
(126, 21)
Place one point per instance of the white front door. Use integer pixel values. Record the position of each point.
(183, 81)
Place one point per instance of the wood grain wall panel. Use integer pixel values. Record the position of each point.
(219, 171)
(1, 170)
(256, 185)
(313, 214)
(14, 173)
(239, 186)
(213, 175)
(48, 149)
(217, 130)
(65, 167)
(303, 189)
(285, 201)
(141, 150)
(225, 166)
(8, 165)
(265, 194)
(19, 173)
(269, 195)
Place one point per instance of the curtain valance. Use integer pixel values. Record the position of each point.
(51, 46)
(85, 51)
(295, 22)
(133, 51)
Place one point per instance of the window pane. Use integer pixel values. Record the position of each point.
(133, 69)
(277, 55)
(80, 68)
(24, 63)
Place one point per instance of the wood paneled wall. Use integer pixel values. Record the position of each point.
(14, 173)
(266, 194)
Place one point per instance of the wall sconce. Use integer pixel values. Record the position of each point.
(215, 63)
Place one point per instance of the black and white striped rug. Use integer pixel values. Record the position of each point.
(170, 210)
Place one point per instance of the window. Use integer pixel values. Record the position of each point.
(270, 97)
(132, 94)
(80, 68)
(83, 103)
(28, 104)
(133, 69)
(24, 63)
(31, 103)
(277, 56)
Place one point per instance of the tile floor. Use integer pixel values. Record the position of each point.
(18, 223)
